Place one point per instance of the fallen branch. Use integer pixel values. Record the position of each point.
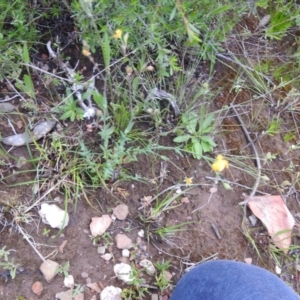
(77, 87)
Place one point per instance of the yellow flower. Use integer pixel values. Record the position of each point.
(118, 34)
(220, 164)
(86, 52)
(188, 180)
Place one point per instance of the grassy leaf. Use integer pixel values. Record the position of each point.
(26, 54)
(208, 140)
(182, 138)
(197, 149)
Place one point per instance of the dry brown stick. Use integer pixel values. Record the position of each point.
(258, 164)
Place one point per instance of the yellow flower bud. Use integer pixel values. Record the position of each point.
(220, 164)
(86, 52)
(118, 34)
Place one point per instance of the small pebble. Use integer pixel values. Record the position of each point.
(84, 275)
(88, 280)
(125, 253)
(37, 288)
(141, 233)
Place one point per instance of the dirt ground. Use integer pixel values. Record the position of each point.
(199, 242)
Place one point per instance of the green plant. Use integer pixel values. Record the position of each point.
(161, 280)
(284, 15)
(167, 232)
(187, 23)
(274, 127)
(194, 132)
(6, 263)
(105, 239)
(70, 109)
(77, 290)
(46, 232)
(137, 291)
(26, 86)
(63, 269)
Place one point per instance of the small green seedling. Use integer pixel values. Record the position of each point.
(70, 109)
(64, 270)
(161, 280)
(46, 232)
(7, 264)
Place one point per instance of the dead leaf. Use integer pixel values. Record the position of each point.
(62, 246)
(94, 286)
(274, 214)
(185, 200)
(146, 200)
(122, 192)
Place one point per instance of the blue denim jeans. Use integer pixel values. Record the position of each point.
(230, 280)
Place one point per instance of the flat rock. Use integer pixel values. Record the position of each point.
(123, 241)
(64, 295)
(79, 297)
(148, 266)
(121, 211)
(48, 268)
(99, 225)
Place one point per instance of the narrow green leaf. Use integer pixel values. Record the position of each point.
(29, 86)
(66, 115)
(208, 140)
(206, 122)
(220, 9)
(173, 13)
(182, 138)
(206, 147)
(106, 50)
(26, 54)
(197, 149)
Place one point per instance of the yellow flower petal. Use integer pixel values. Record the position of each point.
(188, 180)
(118, 34)
(86, 52)
(220, 164)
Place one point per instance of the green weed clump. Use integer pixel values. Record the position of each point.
(161, 28)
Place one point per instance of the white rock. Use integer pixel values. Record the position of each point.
(121, 211)
(99, 225)
(111, 293)
(141, 233)
(248, 260)
(48, 268)
(123, 241)
(123, 272)
(101, 249)
(69, 281)
(125, 253)
(148, 265)
(278, 270)
(106, 256)
(54, 216)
